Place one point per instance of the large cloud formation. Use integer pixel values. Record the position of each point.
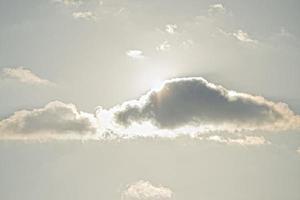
(56, 118)
(195, 102)
(182, 106)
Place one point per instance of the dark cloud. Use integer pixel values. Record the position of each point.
(195, 101)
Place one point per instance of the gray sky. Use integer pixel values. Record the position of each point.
(95, 70)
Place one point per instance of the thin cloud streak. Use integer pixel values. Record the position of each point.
(24, 75)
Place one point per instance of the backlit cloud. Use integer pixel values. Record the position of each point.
(180, 107)
(198, 103)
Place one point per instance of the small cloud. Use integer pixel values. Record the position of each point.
(187, 44)
(69, 2)
(24, 75)
(144, 190)
(171, 28)
(135, 54)
(216, 8)
(86, 15)
(285, 33)
(298, 150)
(243, 37)
(165, 46)
(243, 141)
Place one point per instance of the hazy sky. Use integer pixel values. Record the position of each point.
(139, 99)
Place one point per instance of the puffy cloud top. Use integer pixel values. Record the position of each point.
(194, 101)
(55, 118)
(144, 190)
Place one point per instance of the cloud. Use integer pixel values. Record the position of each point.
(171, 28)
(56, 119)
(144, 190)
(285, 33)
(238, 35)
(243, 141)
(165, 46)
(86, 15)
(135, 54)
(69, 2)
(189, 107)
(216, 8)
(243, 37)
(298, 150)
(187, 44)
(195, 102)
(24, 76)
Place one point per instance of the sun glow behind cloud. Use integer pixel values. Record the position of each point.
(176, 107)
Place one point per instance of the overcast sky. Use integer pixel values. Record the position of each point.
(160, 99)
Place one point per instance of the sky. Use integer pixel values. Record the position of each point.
(140, 100)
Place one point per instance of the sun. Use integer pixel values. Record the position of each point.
(157, 84)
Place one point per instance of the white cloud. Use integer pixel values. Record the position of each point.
(144, 190)
(239, 35)
(25, 76)
(69, 2)
(216, 8)
(194, 102)
(135, 54)
(86, 15)
(55, 120)
(165, 46)
(243, 37)
(243, 141)
(171, 28)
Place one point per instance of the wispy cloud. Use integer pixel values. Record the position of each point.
(69, 2)
(86, 15)
(144, 190)
(24, 75)
(187, 43)
(241, 140)
(135, 54)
